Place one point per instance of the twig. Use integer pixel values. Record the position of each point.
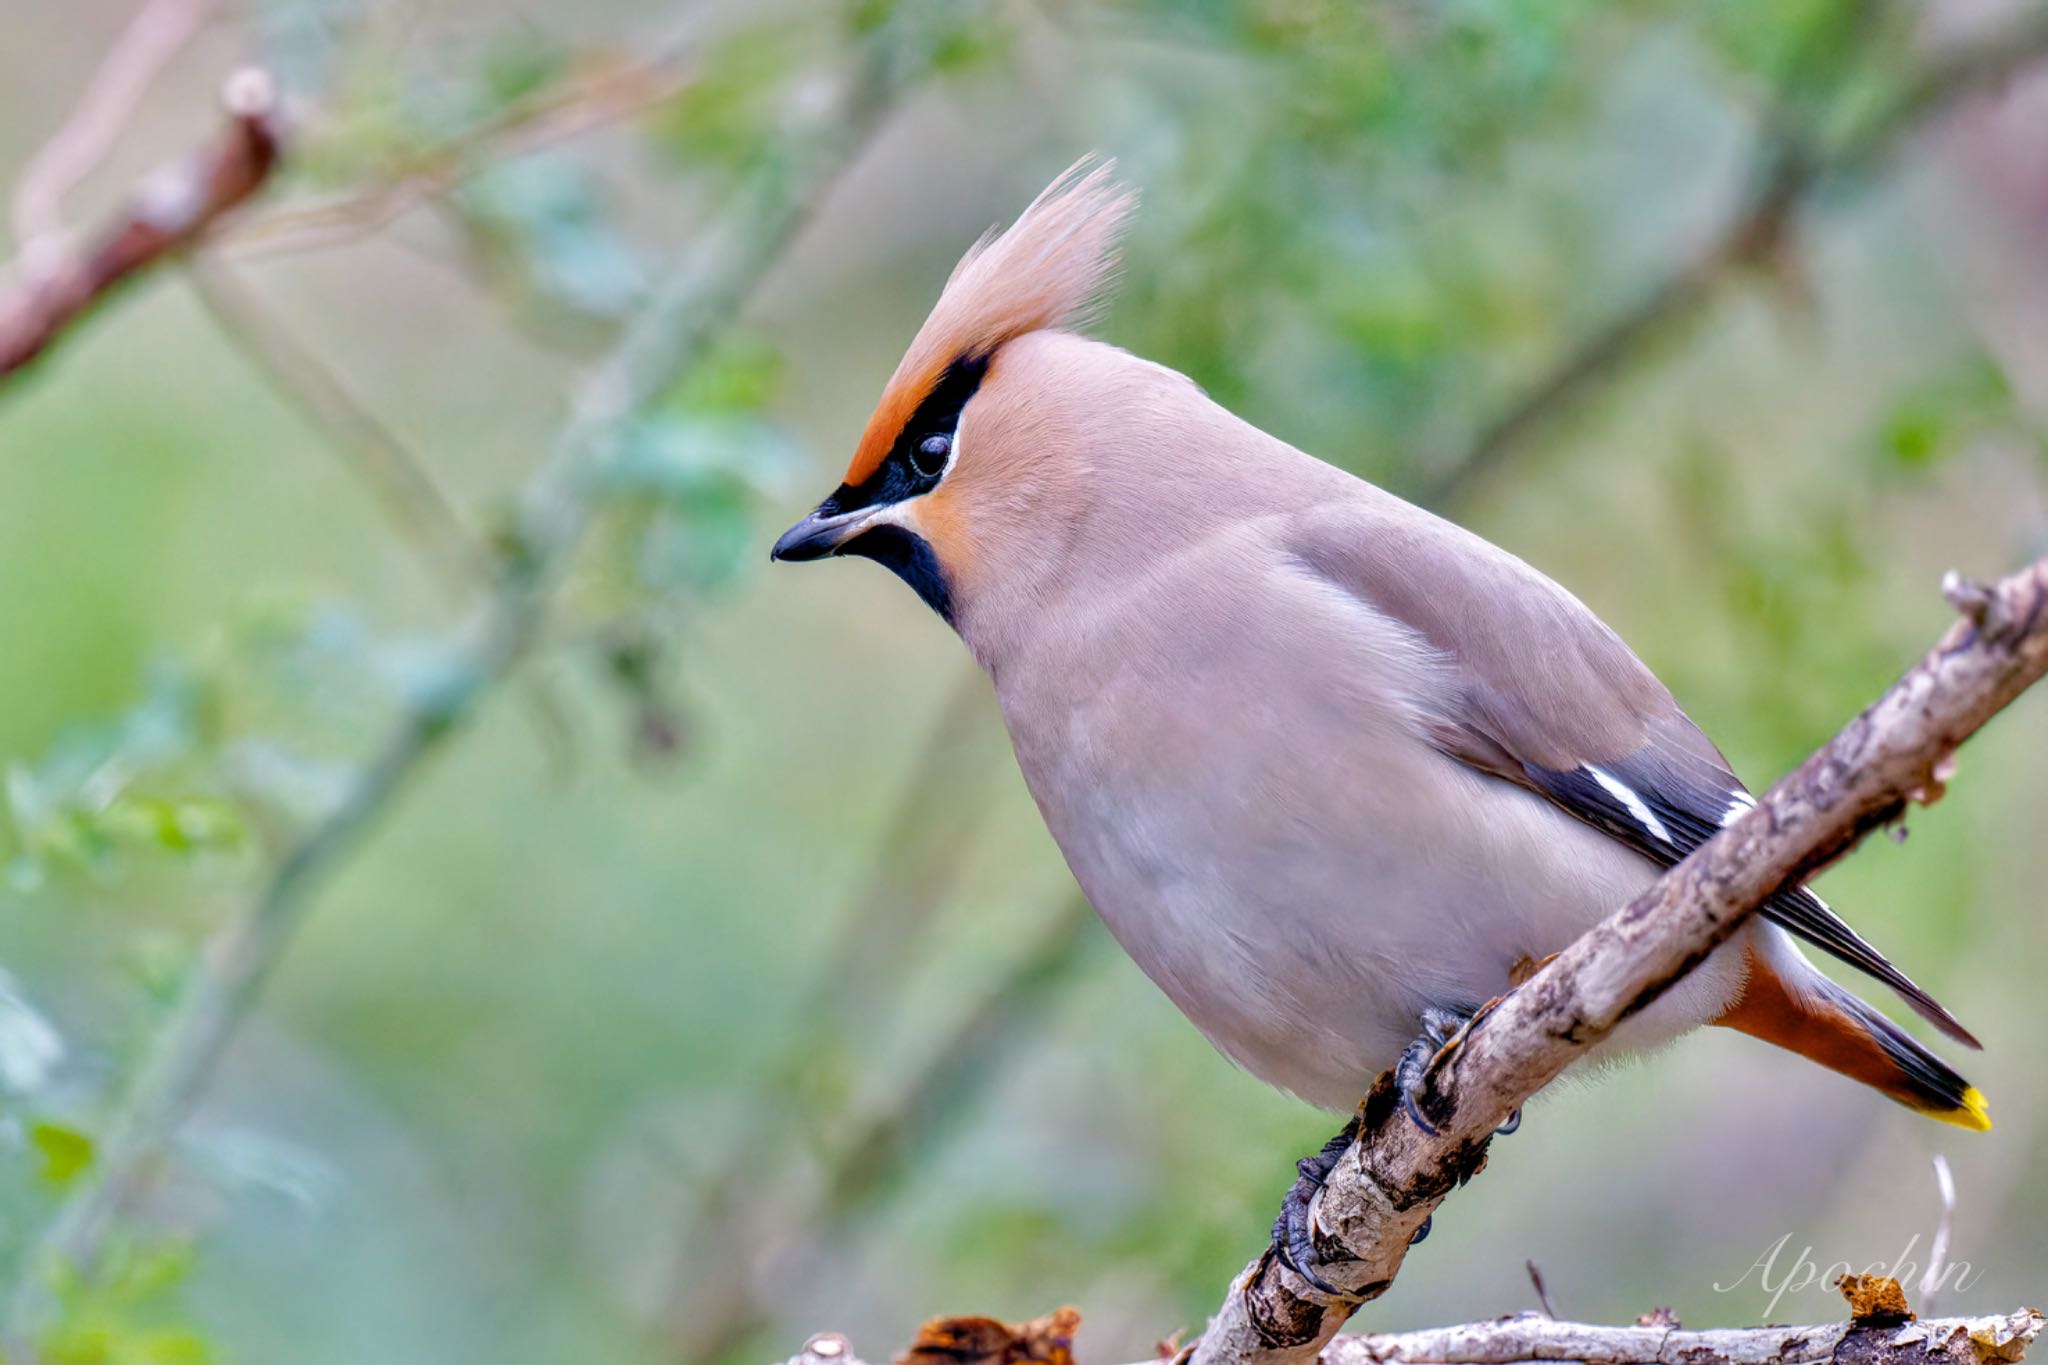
(877, 943)
(455, 557)
(917, 862)
(587, 102)
(1542, 1294)
(1395, 1174)
(166, 216)
(104, 108)
(396, 478)
(1944, 1229)
(682, 318)
(1786, 174)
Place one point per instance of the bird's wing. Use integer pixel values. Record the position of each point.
(1537, 690)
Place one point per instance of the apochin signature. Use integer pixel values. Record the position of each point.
(1803, 1272)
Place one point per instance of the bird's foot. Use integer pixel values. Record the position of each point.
(1293, 1233)
(1293, 1230)
(1442, 1029)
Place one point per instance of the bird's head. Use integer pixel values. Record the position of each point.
(965, 447)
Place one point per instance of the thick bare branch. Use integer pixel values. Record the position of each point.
(1527, 1339)
(1393, 1177)
(1530, 1339)
(167, 215)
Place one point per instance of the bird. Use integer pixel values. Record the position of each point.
(1333, 770)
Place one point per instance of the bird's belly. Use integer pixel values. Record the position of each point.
(1304, 922)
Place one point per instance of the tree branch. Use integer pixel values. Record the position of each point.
(1527, 1339)
(585, 103)
(398, 479)
(1786, 173)
(1394, 1175)
(1531, 1340)
(103, 110)
(457, 559)
(168, 213)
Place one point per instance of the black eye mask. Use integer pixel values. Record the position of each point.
(914, 463)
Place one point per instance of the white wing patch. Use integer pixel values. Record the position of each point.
(1637, 807)
(1738, 804)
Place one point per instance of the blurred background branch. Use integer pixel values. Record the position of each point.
(54, 285)
(159, 29)
(583, 103)
(455, 558)
(1787, 171)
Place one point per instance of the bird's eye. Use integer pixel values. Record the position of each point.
(928, 457)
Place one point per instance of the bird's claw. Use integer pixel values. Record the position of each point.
(1293, 1231)
(1440, 1030)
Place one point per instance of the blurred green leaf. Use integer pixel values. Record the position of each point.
(1935, 420)
(181, 825)
(125, 1317)
(732, 111)
(65, 1152)
(521, 63)
(545, 212)
(742, 375)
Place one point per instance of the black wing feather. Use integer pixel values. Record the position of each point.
(1688, 798)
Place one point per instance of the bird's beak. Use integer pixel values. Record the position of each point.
(819, 535)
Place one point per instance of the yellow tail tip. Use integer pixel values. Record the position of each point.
(1973, 1114)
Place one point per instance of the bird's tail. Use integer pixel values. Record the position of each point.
(1824, 1023)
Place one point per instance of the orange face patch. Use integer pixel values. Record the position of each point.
(938, 519)
(899, 403)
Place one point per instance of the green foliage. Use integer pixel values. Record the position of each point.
(737, 104)
(129, 1314)
(1940, 418)
(681, 493)
(138, 782)
(548, 217)
(517, 65)
(66, 1152)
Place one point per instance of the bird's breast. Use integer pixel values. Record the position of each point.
(1237, 769)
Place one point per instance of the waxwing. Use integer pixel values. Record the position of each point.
(1333, 770)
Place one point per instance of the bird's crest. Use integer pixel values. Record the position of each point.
(1048, 270)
